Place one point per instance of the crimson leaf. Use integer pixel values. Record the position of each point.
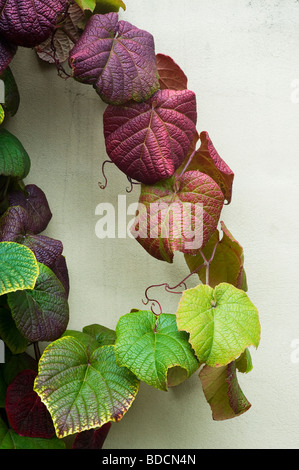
(149, 141)
(27, 415)
(93, 438)
(171, 76)
(117, 58)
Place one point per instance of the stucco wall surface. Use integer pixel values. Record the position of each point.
(241, 59)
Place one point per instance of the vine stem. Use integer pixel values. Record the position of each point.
(172, 290)
(103, 186)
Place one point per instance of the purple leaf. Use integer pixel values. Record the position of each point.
(7, 52)
(27, 415)
(14, 227)
(29, 22)
(59, 268)
(93, 438)
(117, 58)
(149, 141)
(36, 205)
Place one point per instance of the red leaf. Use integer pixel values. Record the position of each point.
(93, 438)
(208, 161)
(27, 415)
(171, 76)
(149, 141)
(179, 214)
(7, 52)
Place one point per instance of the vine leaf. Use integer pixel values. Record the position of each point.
(92, 439)
(115, 52)
(7, 53)
(15, 227)
(41, 314)
(171, 76)
(18, 268)
(207, 160)
(101, 6)
(9, 333)
(222, 391)
(58, 46)
(102, 334)
(178, 214)
(227, 264)
(98, 390)
(60, 270)
(27, 415)
(153, 349)
(9, 439)
(222, 322)
(148, 141)
(28, 23)
(34, 200)
(14, 160)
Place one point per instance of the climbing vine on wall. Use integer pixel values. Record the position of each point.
(150, 131)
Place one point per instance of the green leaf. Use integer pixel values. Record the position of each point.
(222, 322)
(18, 267)
(9, 439)
(14, 160)
(88, 340)
(103, 335)
(12, 96)
(10, 334)
(2, 114)
(83, 391)
(153, 349)
(101, 6)
(41, 314)
(244, 362)
(222, 391)
(227, 264)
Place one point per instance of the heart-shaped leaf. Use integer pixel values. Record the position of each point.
(227, 264)
(148, 141)
(7, 53)
(85, 391)
(222, 322)
(34, 200)
(207, 160)
(178, 214)
(152, 347)
(115, 52)
(14, 160)
(92, 439)
(9, 439)
(14, 227)
(12, 96)
(27, 415)
(28, 23)
(58, 46)
(43, 313)
(18, 268)
(222, 391)
(171, 76)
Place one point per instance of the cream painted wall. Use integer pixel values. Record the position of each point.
(241, 58)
